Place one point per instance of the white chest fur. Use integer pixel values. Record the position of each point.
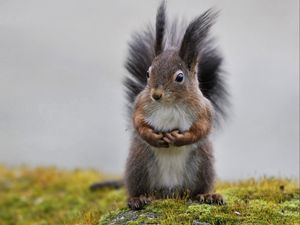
(171, 162)
(166, 118)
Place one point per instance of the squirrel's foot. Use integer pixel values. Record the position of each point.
(216, 199)
(137, 203)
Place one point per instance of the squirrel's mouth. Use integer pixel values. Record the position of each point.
(162, 102)
(163, 98)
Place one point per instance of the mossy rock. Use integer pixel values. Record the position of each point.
(53, 196)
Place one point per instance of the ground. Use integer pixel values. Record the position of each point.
(52, 196)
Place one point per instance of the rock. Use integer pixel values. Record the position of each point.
(130, 215)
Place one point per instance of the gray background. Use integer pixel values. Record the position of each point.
(61, 98)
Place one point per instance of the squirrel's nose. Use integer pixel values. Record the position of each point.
(156, 94)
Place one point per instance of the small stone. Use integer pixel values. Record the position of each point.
(131, 215)
(196, 222)
(237, 213)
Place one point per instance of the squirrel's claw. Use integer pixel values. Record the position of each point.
(177, 138)
(169, 138)
(157, 135)
(156, 139)
(216, 199)
(174, 137)
(176, 134)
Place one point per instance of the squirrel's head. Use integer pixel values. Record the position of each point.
(172, 75)
(169, 79)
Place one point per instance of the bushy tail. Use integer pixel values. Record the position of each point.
(194, 46)
(113, 184)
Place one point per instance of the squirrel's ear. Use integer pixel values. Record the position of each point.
(160, 27)
(194, 37)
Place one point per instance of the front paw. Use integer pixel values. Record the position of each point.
(177, 138)
(155, 139)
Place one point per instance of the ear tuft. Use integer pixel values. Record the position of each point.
(160, 27)
(194, 37)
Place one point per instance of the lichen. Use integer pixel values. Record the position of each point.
(54, 196)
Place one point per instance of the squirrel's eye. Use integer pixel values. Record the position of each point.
(179, 77)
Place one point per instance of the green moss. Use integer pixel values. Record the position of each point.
(52, 196)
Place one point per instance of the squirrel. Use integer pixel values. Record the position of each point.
(176, 96)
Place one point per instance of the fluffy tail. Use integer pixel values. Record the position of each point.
(194, 46)
(113, 184)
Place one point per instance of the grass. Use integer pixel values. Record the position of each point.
(52, 196)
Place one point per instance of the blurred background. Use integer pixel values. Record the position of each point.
(62, 100)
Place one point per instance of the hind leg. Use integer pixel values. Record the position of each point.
(206, 177)
(136, 175)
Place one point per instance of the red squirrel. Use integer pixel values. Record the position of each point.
(176, 94)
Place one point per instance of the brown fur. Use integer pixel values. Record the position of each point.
(166, 65)
(142, 158)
